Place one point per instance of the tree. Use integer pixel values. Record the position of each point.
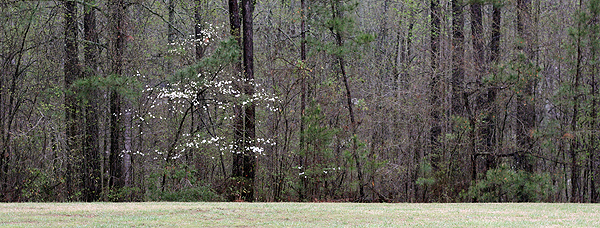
(244, 161)
(238, 128)
(434, 85)
(457, 58)
(91, 176)
(525, 124)
(117, 47)
(303, 97)
(249, 171)
(72, 73)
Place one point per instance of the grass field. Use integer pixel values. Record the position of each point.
(172, 214)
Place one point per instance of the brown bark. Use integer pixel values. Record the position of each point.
(592, 150)
(238, 123)
(576, 195)
(249, 171)
(91, 174)
(72, 74)
(198, 36)
(525, 105)
(435, 128)
(303, 74)
(457, 58)
(117, 47)
(353, 125)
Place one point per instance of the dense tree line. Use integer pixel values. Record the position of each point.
(308, 100)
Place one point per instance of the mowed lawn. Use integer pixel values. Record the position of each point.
(174, 214)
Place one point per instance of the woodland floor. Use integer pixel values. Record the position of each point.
(175, 214)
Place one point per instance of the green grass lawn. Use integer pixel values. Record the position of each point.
(173, 214)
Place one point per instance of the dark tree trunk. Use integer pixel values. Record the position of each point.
(198, 30)
(489, 129)
(435, 128)
(116, 54)
(525, 105)
(238, 123)
(303, 72)
(335, 8)
(91, 173)
(457, 58)
(495, 39)
(72, 73)
(478, 57)
(593, 137)
(171, 36)
(249, 111)
(574, 148)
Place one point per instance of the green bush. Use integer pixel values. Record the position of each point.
(507, 185)
(195, 194)
(40, 186)
(125, 194)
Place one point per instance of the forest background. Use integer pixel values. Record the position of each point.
(307, 100)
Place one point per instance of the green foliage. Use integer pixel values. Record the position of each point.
(507, 185)
(195, 194)
(335, 17)
(40, 186)
(425, 174)
(127, 86)
(320, 165)
(227, 52)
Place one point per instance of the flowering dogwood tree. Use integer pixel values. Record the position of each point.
(202, 98)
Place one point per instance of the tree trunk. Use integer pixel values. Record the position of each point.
(593, 137)
(198, 36)
(249, 111)
(490, 125)
(117, 47)
(574, 148)
(72, 74)
(238, 123)
(478, 61)
(304, 73)
(457, 59)
(171, 36)
(525, 105)
(435, 128)
(91, 175)
(335, 8)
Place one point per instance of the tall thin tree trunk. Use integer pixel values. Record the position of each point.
(171, 35)
(72, 73)
(91, 175)
(457, 58)
(117, 47)
(249, 170)
(478, 61)
(490, 127)
(238, 123)
(335, 9)
(593, 137)
(574, 148)
(303, 74)
(435, 128)
(525, 105)
(460, 100)
(198, 27)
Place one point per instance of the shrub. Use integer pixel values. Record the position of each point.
(195, 194)
(507, 185)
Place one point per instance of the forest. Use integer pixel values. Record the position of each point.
(300, 100)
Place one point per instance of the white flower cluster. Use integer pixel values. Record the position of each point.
(327, 170)
(209, 35)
